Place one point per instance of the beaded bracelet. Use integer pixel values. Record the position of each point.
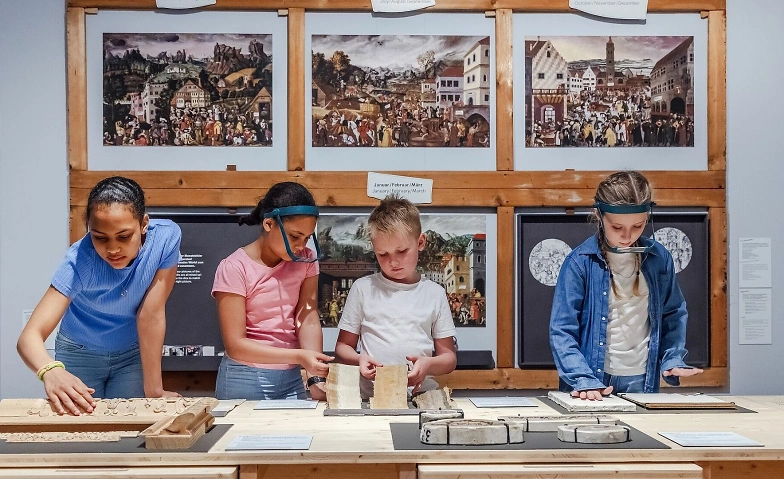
(49, 367)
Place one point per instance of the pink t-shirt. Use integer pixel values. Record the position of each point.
(271, 296)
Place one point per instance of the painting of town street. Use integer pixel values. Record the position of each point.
(454, 257)
(401, 91)
(187, 89)
(588, 91)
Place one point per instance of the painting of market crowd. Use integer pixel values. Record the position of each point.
(609, 91)
(401, 91)
(454, 257)
(187, 89)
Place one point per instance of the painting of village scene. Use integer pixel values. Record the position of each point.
(609, 91)
(401, 91)
(455, 257)
(187, 89)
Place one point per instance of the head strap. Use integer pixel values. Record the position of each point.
(298, 210)
(623, 209)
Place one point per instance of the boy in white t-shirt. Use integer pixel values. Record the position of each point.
(397, 315)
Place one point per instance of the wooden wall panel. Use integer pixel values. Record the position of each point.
(296, 89)
(502, 189)
(717, 91)
(76, 64)
(504, 105)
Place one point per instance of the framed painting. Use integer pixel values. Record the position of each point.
(601, 95)
(459, 255)
(193, 91)
(421, 83)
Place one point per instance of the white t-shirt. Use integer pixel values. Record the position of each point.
(395, 320)
(628, 330)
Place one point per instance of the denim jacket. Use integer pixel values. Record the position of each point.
(578, 322)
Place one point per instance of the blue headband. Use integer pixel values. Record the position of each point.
(299, 210)
(623, 209)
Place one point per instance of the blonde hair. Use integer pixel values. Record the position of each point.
(623, 188)
(394, 215)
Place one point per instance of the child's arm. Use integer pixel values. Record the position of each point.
(346, 352)
(308, 328)
(151, 324)
(568, 303)
(443, 362)
(64, 390)
(673, 330)
(232, 314)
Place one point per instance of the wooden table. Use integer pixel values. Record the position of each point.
(361, 447)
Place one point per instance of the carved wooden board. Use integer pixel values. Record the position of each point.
(343, 387)
(106, 436)
(390, 390)
(104, 409)
(438, 399)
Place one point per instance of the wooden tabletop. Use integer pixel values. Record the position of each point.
(367, 439)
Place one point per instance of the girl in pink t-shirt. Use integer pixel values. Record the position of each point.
(267, 305)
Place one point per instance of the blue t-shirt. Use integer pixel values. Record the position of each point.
(104, 300)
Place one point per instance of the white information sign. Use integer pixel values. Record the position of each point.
(620, 9)
(503, 402)
(286, 404)
(183, 4)
(265, 443)
(415, 190)
(755, 263)
(400, 5)
(755, 316)
(709, 439)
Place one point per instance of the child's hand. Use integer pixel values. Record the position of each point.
(682, 372)
(419, 372)
(67, 393)
(318, 391)
(367, 366)
(314, 362)
(593, 394)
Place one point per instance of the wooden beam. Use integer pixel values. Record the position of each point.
(552, 6)
(296, 89)
(504, 103)
(77, 226)
(719, 319)
(76, 62)
(717, 90)
(477, 197)
(355, 180)
(505, 288)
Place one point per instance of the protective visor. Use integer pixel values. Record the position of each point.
(625, 210)
(300, 210)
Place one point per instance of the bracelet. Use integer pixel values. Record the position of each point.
(315, 379)
(49, 367)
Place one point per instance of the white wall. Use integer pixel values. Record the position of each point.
(34, 192)
(33, 171)
(755, 172)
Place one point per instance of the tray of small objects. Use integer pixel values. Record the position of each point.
(643, 403)
(450, 430)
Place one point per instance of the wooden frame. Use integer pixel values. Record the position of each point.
(502, 189)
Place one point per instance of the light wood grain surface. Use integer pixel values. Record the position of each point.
(367, 440)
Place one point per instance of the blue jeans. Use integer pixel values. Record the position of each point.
(625, 384)
(116, 374)
(239, 381)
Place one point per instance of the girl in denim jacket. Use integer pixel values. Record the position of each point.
(618, 321)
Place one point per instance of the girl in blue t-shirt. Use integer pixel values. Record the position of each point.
(110, 292)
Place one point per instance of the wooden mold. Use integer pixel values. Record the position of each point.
(181, 431)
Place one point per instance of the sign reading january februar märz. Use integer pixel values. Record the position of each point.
(416, 190)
